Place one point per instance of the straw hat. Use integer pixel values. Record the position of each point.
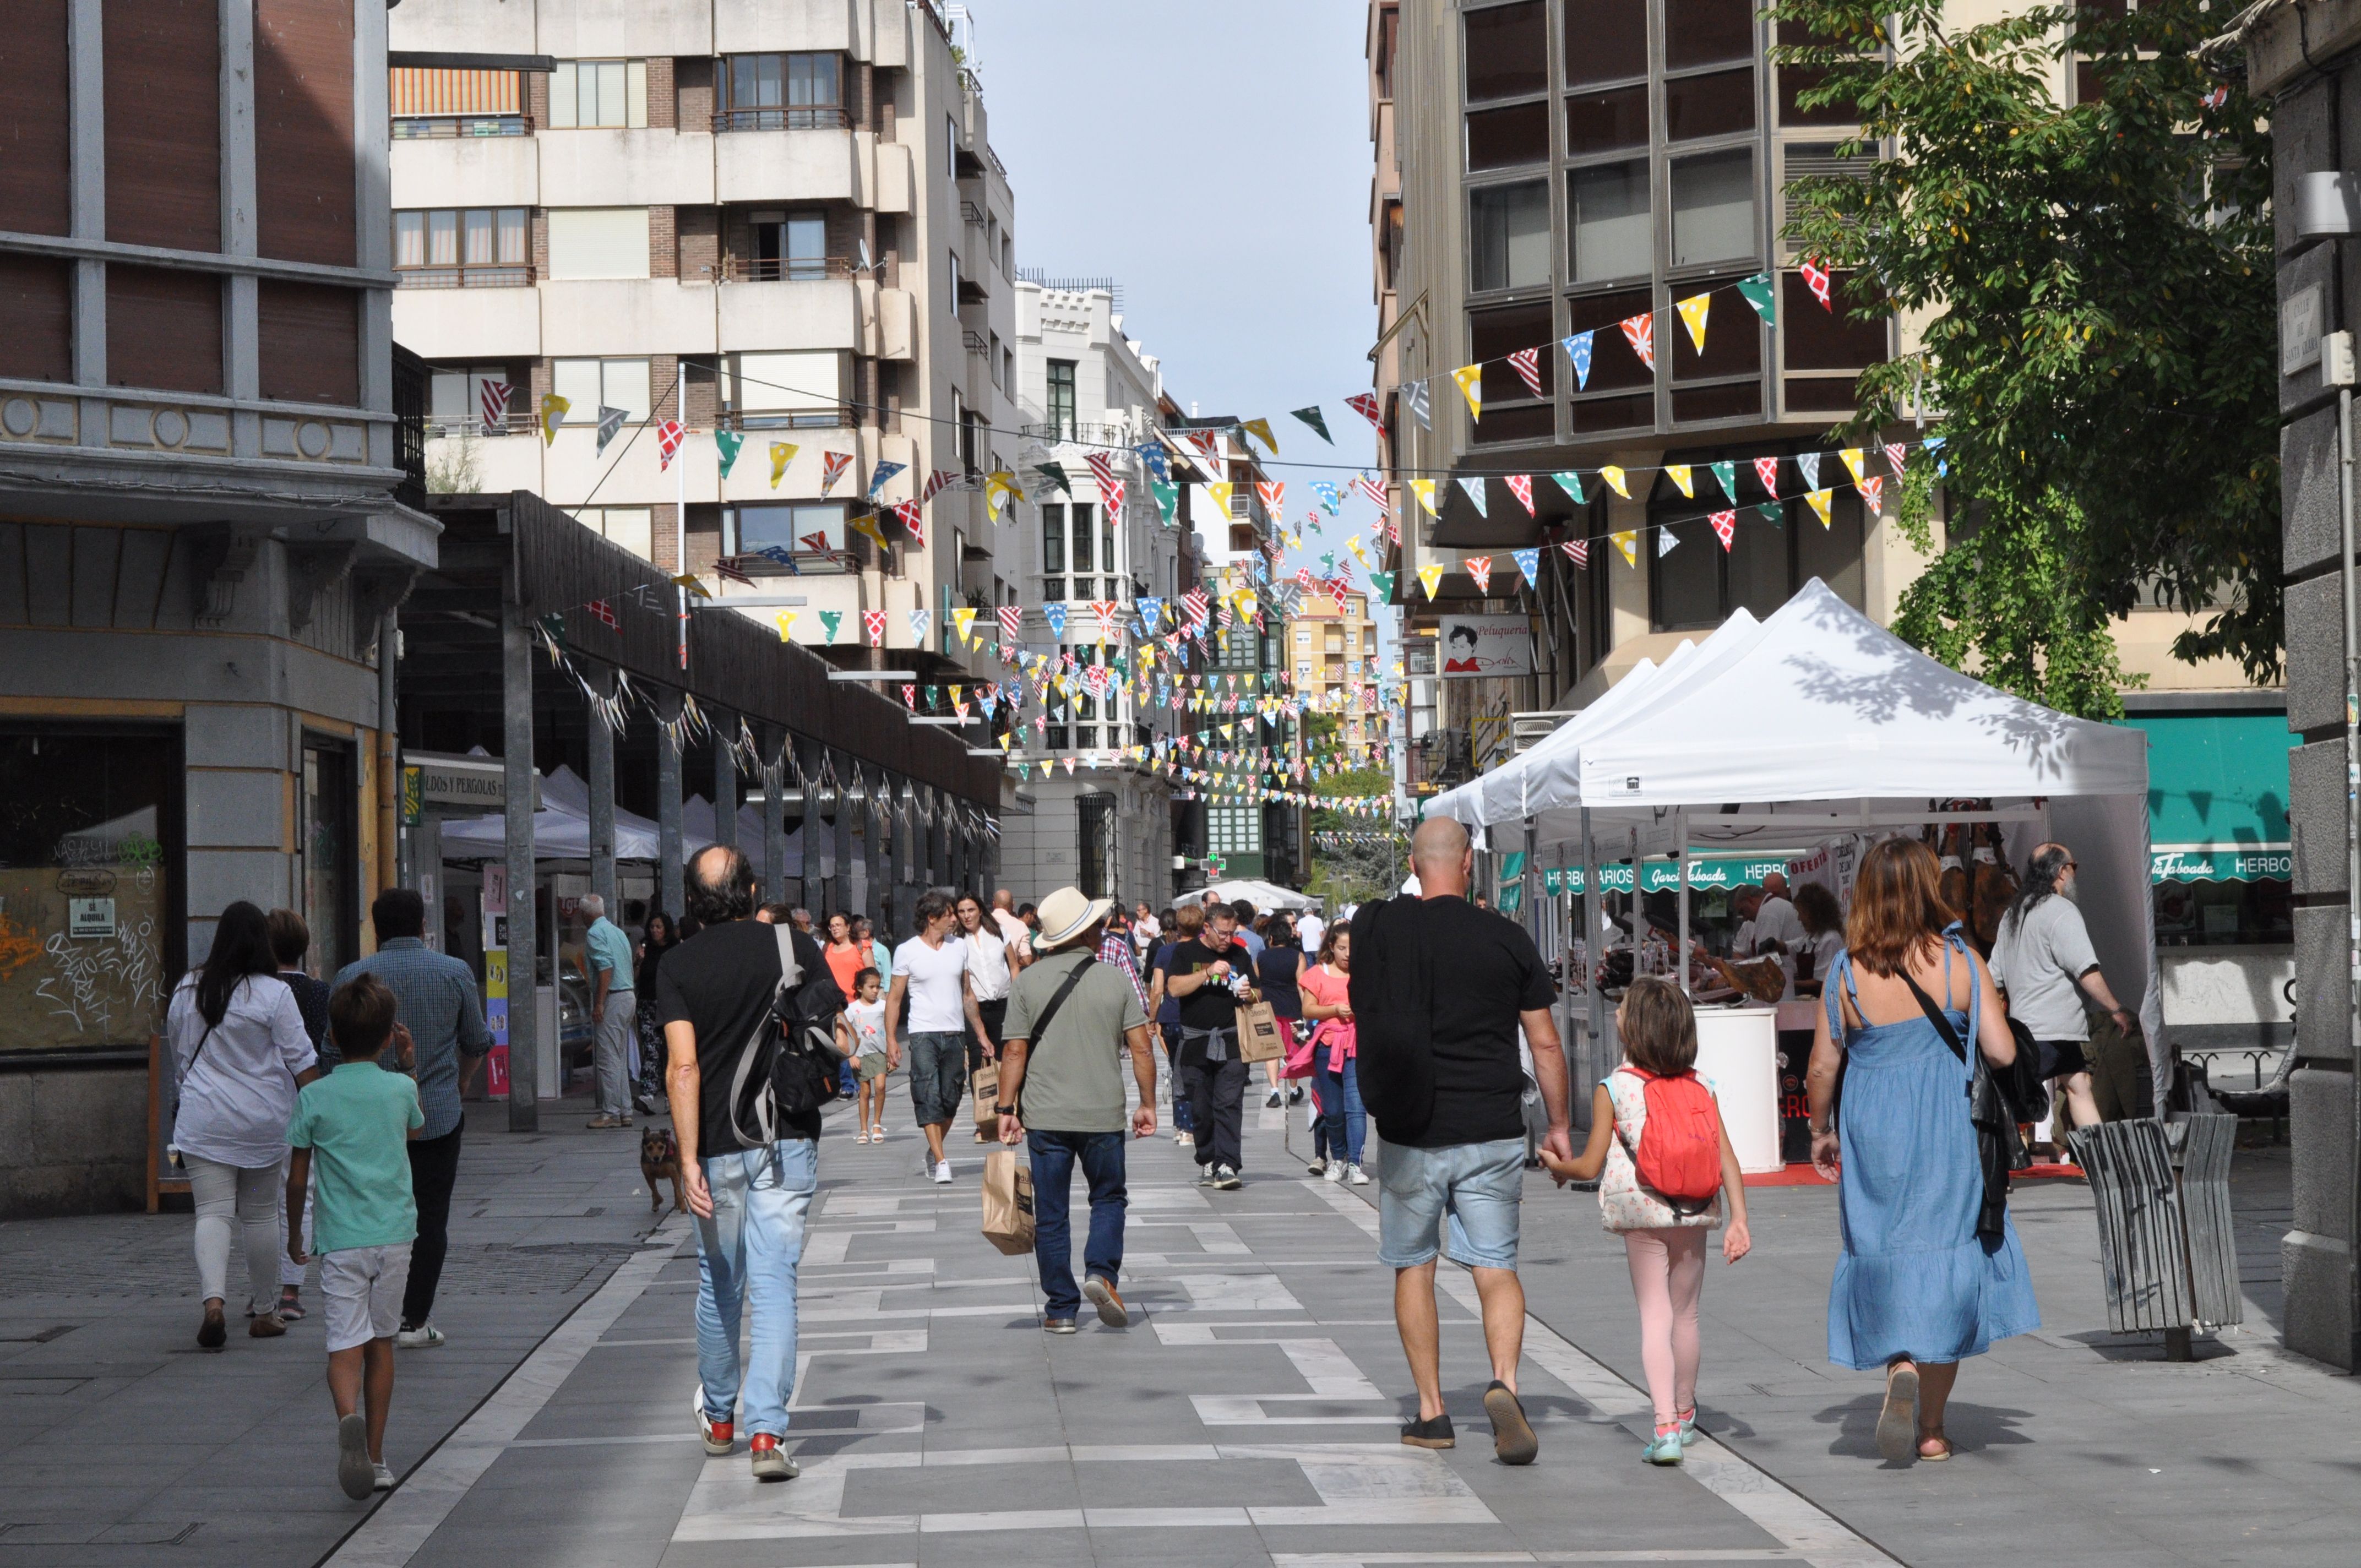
(1066, 915)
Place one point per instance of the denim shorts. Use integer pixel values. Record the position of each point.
(1472, 1189)
(937, 1076)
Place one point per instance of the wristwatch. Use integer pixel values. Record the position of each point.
(1005, 1110)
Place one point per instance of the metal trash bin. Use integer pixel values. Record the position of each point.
(2167, 1252)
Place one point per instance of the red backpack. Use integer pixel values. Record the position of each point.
(1679, 1156)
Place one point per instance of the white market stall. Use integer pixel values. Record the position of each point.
(560, 829)
(1264, 896)
(1817, 724)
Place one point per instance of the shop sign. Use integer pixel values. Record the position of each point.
(2250, 863)
(90, 918)
(1473, 646)
(469, 783)
(1706, 873)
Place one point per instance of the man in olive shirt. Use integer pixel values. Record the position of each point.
(1069, 1019)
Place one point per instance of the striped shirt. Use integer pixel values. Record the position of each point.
(439, 1006)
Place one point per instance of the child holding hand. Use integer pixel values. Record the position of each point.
(860, 1036)
(1663, 1236)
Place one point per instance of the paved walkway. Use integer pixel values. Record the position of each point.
(1246, 1416)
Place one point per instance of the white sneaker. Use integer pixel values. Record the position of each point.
(425, 1336)
(943, 1174)
(1335, 1170)
(1359, 1178)
(384, 1477)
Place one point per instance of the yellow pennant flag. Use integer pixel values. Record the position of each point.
(782, 454)
(1852, 462)
(1679, 475)
(962, 618)
(1424, 490)
(1219, 490)
(866, 524)
(1430, 578)
(553, 414)
(1260, 429)
(1614, 477)
(689, 580)
(1471, 386)
(1354, 545)
(1693, 310)
(996, 485)
(1819, 499)
(1628, 542)
(786, 619)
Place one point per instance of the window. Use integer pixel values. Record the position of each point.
(463, 247)
(992, 362)
(1509, 411)
(584, 94)
(957, 282)
(1509, 236)
(1070, 540)
(1505, 55)
(633, 528)
(1613, 228)
(1607, 122)
(598, 242)
(786, 390)
(1713, 208)
(1062, 398)
(455, 403)
(1706, 32)
(455, 103)
(950, 147)
(1095, 819)
(790, 247)
(800, 527)
(782, 92)
(1503, 138)
(589, 385)
(1053, 551)
(1008, 370)
(1606, 40)
(1718, 104)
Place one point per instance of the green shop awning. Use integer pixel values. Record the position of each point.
(1705, 871)
(2217, 798)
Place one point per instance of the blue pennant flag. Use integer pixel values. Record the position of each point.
(1529, 562)
(1152, 453)
(1054, 612)
(885, 472)
(1329, 497)
(1577, 348)
(1475, 488)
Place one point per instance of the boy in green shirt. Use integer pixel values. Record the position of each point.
(357, 1119)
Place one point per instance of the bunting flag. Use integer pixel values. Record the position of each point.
(1639, 331)
(1522, 486)
(1414, 393)
(1424, 490)
(1628, 541)
(1151, 615)
(604, 614)
(1894, 454)
(1816, 278)
(1152, 453)
(1577, 551)
(880, 473)
(1571, 483)
(1366, 405)
(670, 436)
(910, 514)
(1809, 464)
(1219, 492)
(1312, 417)
(1854, 459)
(832, 465)
(1430, 578)
(1470, 379)
(830, 620)
(910, 698)
(1382, 584)
(1766, 471)
(1577, 351)
(919, 621)
(1757, 291)
(1772, 512)
(610, 425)
(726, 444)
(1614, 477)
(1012, 622)
(1692, 313)
(1678, 473)
(873, 621)
(1370, 487)
(1527, 364)
(962, 621)
(1479, 568)
(1725, 527)
(1726, 475)
(1054, 612)
(1260, 429)
(1819, 499)
(1665, 542)
(1872, 495)
(1196, 600)
(866, 526)
(553, 412)
(787, 623)
(1474, 487)
(936, 482)
(1529, 562)
(1111, 498)
(729, 570)
(782, 454)
(1104, 609)
(1055, 474)
(1168, 496)
(1273, 493)
(1330, 498)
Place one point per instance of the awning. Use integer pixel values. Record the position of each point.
(2217, 796)
(2263, 863)
(1656, 875)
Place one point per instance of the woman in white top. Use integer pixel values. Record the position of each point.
(239, 1053)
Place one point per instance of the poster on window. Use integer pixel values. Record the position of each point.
(1476, 645)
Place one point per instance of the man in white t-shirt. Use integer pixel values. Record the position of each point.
(1307, 927)
(1779, 929)
(988, 976)
(930, 971)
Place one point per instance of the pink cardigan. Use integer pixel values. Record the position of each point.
(1329, 990)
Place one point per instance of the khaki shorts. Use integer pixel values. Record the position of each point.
(871, 1066)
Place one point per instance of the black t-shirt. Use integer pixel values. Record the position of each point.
(721, 981)
(1277, 973)
(1211, 1005)
(1487, 971)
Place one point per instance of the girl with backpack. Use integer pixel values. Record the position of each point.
(1664, 1165)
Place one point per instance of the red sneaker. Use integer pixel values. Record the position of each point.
(719, 1436)
(770, 1464)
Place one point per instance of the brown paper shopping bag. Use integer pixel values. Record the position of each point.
(1007, 1202)
(1260, 1036)
(986, 1083)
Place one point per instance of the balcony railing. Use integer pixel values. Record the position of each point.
(1087, 434)
(429, 127)
(838, 417)
(784, 269)
(519, 420)
(800, 117)
(509, 277)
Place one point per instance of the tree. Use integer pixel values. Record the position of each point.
(1371, 857)
(2099, 337)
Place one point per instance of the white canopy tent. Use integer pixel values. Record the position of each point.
(1264, 896)
(560, 829)
(1816, 723)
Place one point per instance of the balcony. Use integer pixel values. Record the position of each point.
(438, 128)
(519, 420)
(511, 277)
(800, 117)
(839, 417)
(784, 269)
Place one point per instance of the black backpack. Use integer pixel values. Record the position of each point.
(790, 1066)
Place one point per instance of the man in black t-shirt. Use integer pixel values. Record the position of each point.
(1209, 978)
(714, 994)
(1446, 1089)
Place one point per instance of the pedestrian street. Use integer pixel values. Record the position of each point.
(1248, 1414)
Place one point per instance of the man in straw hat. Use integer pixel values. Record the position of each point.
(1070, 1020)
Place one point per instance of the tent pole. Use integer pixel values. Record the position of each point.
(2345, 458)
(1681, 857)
(1594, 950)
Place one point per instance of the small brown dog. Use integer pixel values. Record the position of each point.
(660, 1161)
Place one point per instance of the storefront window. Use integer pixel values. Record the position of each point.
(90, 864)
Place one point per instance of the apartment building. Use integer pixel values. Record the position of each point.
(781, 225)
(209, 472)
(1332, 646)
(1091, 398)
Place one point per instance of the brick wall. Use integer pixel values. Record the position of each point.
(659, 530)
(663, 106)
(536, 98)
(704, 536)
(664, 401)
(698, 231)
(701, 388)
(663, 250)
(540, 222)
(693, 92)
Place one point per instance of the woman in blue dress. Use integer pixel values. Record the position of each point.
(1916, 1290)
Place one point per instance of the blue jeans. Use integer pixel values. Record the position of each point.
(747, 1254)
(1181, 1122)
(1341, 1117)
(1053, 1158)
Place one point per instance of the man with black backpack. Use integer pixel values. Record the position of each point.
(1070, 1018)
(743, 1005)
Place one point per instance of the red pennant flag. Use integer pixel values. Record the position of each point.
(605, 614)
(1767, 470)
(1816, 278)
(1639, 331)
(908, 512)
(730, 569)
(873, 621)
(1527, 364)
(1522, 486)
(1873, 492)
(1480, 569)
(1011, 621)
(1369, 488)
(1577, 549)
(1366, 405)
(1725, 527)
(936, 481)
(910, 698)
(670, 435)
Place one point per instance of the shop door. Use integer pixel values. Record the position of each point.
(329, 873)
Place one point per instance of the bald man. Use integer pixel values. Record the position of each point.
(1459, 1167)
(1779, 929)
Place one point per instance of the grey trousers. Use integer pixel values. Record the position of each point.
(612, 1053)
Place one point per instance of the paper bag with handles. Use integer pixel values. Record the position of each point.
(1007, 1202)
(986, 1081)
(1260, 1038)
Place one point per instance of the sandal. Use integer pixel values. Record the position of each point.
(1897, 1423)
(1941, 1455)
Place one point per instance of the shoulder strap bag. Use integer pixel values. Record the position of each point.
(1998, 1148)
(1041, 1024)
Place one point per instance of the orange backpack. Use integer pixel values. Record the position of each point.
(1679, 1156)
